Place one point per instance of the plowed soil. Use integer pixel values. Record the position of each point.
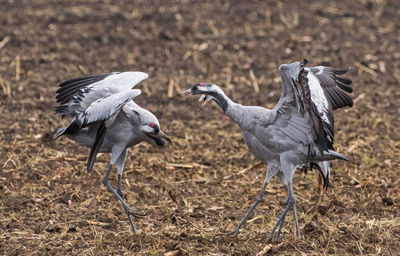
(197, 189)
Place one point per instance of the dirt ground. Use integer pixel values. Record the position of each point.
(198, 188)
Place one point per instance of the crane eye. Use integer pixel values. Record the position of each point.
(155, 127)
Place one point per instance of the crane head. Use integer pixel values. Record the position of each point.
(290, 72)
(155, 134)
(206, 90)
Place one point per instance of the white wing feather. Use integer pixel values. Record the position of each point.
(105, 108)
(318, 96)
(78, 94)
(120, 81)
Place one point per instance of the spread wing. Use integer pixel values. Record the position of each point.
(310, 98)
(75, 95)
(334, 86)
(104, 111)
(106, 108)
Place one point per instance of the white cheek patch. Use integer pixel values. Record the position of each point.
(146, 128)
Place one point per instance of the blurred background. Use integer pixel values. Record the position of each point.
(200, 186)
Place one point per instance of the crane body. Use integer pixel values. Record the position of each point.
(106, 119)
(296, 133)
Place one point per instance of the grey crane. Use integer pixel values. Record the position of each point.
(296, 133)
(106, 119)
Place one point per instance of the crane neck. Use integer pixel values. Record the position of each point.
(230, 108)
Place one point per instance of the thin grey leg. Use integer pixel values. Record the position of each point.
(279, 223)
(258, 200)
(291, 202)
(120, 167)
(294, 210)
(119, 189)
(279, 231)
(128, 210)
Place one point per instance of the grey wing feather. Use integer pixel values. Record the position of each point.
(77, 94)
(295, 127)
(293, 133)
(303, 94)
(104, 109)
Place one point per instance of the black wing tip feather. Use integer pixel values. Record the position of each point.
(336, 87)
(62, 110)
(343, 83)
(72, 86)
(84, 78)
(340, 71)
(65, 83)
(344, 80)
(324, 178)
(338, 98)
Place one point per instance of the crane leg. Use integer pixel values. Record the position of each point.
(128, 210)
(279, 223)
(293, 200)
(120, 167)
(119, 189)
(290, 203)
(258, 200)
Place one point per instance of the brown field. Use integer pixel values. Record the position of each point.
(198, 188)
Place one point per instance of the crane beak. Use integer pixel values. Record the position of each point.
(161, 134)
(187, 92)
(204, 98)
(159, 137)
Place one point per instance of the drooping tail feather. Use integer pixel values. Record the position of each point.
(336, 155)
(324, 170)
(329, 155)
(58, 132)
(101, 133)
(72, 128)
